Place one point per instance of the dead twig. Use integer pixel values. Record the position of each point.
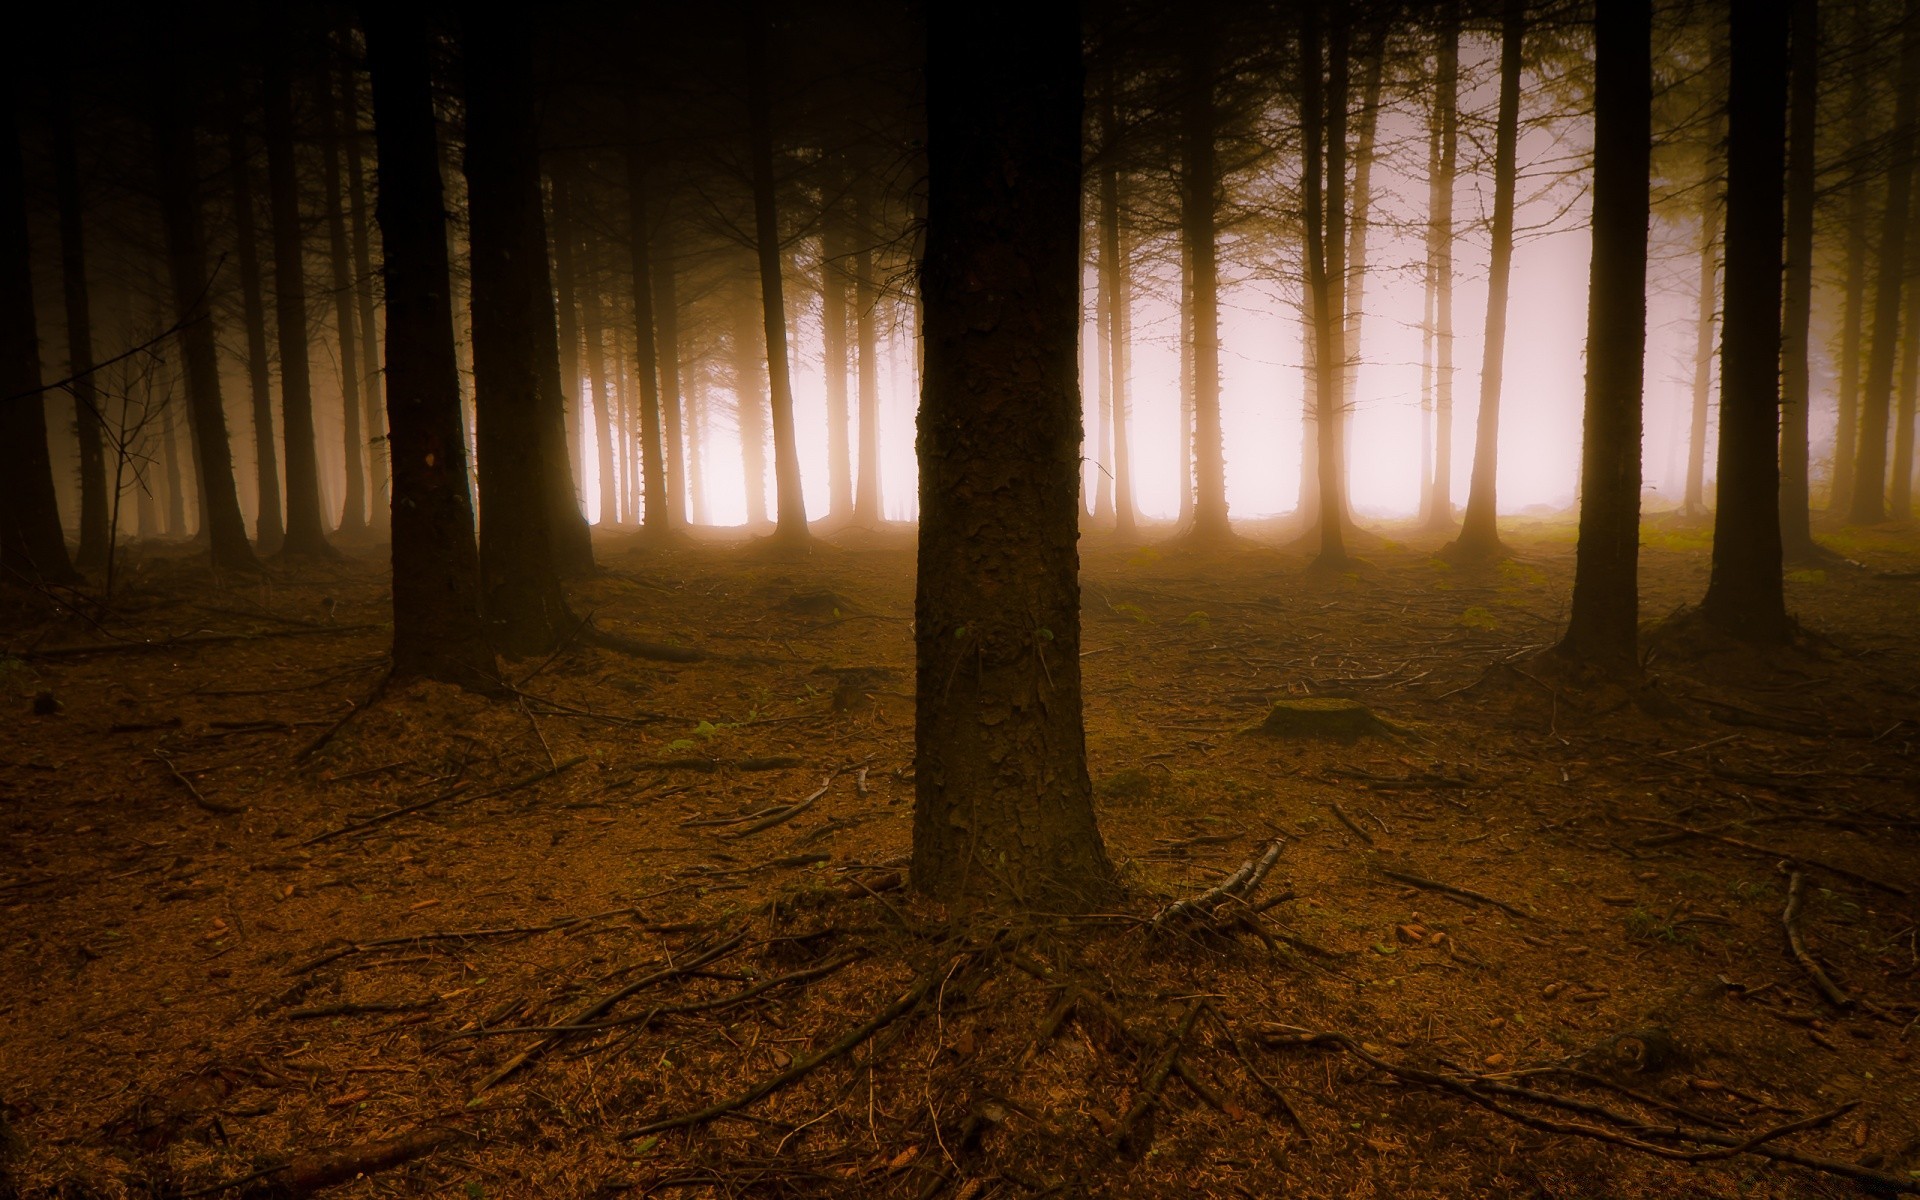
(1448, 889)
(785, 814)
(457, 790)
(1770, 852)
(1123, 1139)
(1796, 896)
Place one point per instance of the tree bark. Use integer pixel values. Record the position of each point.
(438, 631)
(375, 428)
(666, 333)
(1693, 502)
(88, 426)
(749, 364)
(866, 497)
(566, 311)
(833, 338)
(269, 528)
(1745, 594)
(1479, 528)
(1358, 225)
(1003, 803)
(1869, 506)
(1852, 328)
(32, 544)
(1900, 483)
(1322, 125)
(1199, 223)
(656, 517)
(1796, 522)
(604, 427)
(1604, 623)
(790, 509)
(1116, 282)
(1446, 87)
(179, 184)
(353, 513)
(306, 530)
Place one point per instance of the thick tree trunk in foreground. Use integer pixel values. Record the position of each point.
(1446, 87)
(512, 335)
(269, 528)
(306, 530)
(790, 502)
(1869, 505)
(32, 545)
(1796, 521)
(88, 426)
(438, 632)
(1604, 625)
(1479, 527)
(179, 183)
(1003, 804)
(1746, 595)
(353, 513)
(1199, 220)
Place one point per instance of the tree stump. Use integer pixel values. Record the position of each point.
(1321, 717)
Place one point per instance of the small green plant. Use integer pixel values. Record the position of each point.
(1477, 617)
(1808, 576)
(1646, 926)
(1198, 620)
(1127, 608)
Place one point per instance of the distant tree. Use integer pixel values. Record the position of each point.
(88, 421)
(438, 632)
(353, 513)
(1746, 592)
(656, 515)
(1604, 623)
(1796, 520)
(1199, 232)
(268, 525)
(1003, 804)
(1446, 86)
(1323, 130)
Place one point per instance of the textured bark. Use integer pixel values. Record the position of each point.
(269, 527)
(1869, 504)
(1199, 225)
(1860, 108)
(1117, 285)
(1745, 594)
(88, 425)
(1604, 624)
(1796, 523)
(375, 426)
(1446, 87)
(749, 370)
(1360, 220)
(656, 517)
(666, 335)
(566, 310)
(586, 260)
(179, 183)
(833, 331)
(1003, 805)
(32, 545)
(1693, 501)
(1900, 481)
(306, 531)
(790, 503)
(1322, 125)
(438, 631)
(514, 382)
(353, 513)
(866, 496)
(1479, 528)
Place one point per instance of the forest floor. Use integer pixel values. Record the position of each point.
(230, 966)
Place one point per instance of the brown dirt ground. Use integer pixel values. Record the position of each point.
(164, 1027)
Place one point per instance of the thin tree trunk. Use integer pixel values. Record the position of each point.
(1183, 441)
(1745, 594)
(656, 514)
(179, 183)
(1116, 284)
(1003, 803)
(565, 241)
(269, 528)
(1358, 225)
(438, 631)
(1852, 328)
(1322, 126)
(833, 339)
(587, 262)
(1440, 251)
(1479, 529)
(375, 428)
(1693, 502)
(1604, 623)
(790, 501)
(175, 475)
(866, 497)
(1199, 219)
(88, 426)
(666, 332)
(1796, 524)
(1900, 482)
(306, 530)
(1101, 475)
(353, 518)
(696, 452)
(1429, 290)
(749, 365)
(1869, 505)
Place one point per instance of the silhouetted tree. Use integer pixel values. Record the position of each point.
(1796, 526)
(88, 425)
(269, 529)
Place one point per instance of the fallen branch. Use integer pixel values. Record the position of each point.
(1238, 887)
(305, 1174)
(458, 789)
(1796, 895)
(1770, 852)
(1350, 823)
(1434, 885)
(635, 648)
(785, 814)
(225, 810)
(1122, 1139)
(452, 935)
(192, 639)
(908, 1001)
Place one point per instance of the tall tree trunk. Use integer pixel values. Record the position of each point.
(565, 242)
(1604, 624)
(32, 545)
(1693, 502)
(1359, 223)
(353, 518)
(1745, 594)
(1199, 223)
(1860, 107)
(1869, 505)
(515, 371)
(1446, 88)
(1003, 804)
(1183, 441)
(1900, 483)
(666, 333)
(696, 452)
(175, 475)
(88, 426)
(1116, 284)
(833, 339)
(656, 516)
(1796, 524)
(1479, 529)
(587, 262)
(179, 185)
(269, 528)
(1322, 126)
(438, 631)
(306, 530)
(1429, 288)
(790, 510)
(375, 429)
(866, 497)
(749, 365)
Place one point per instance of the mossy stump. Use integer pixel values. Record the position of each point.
(1321, 717)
